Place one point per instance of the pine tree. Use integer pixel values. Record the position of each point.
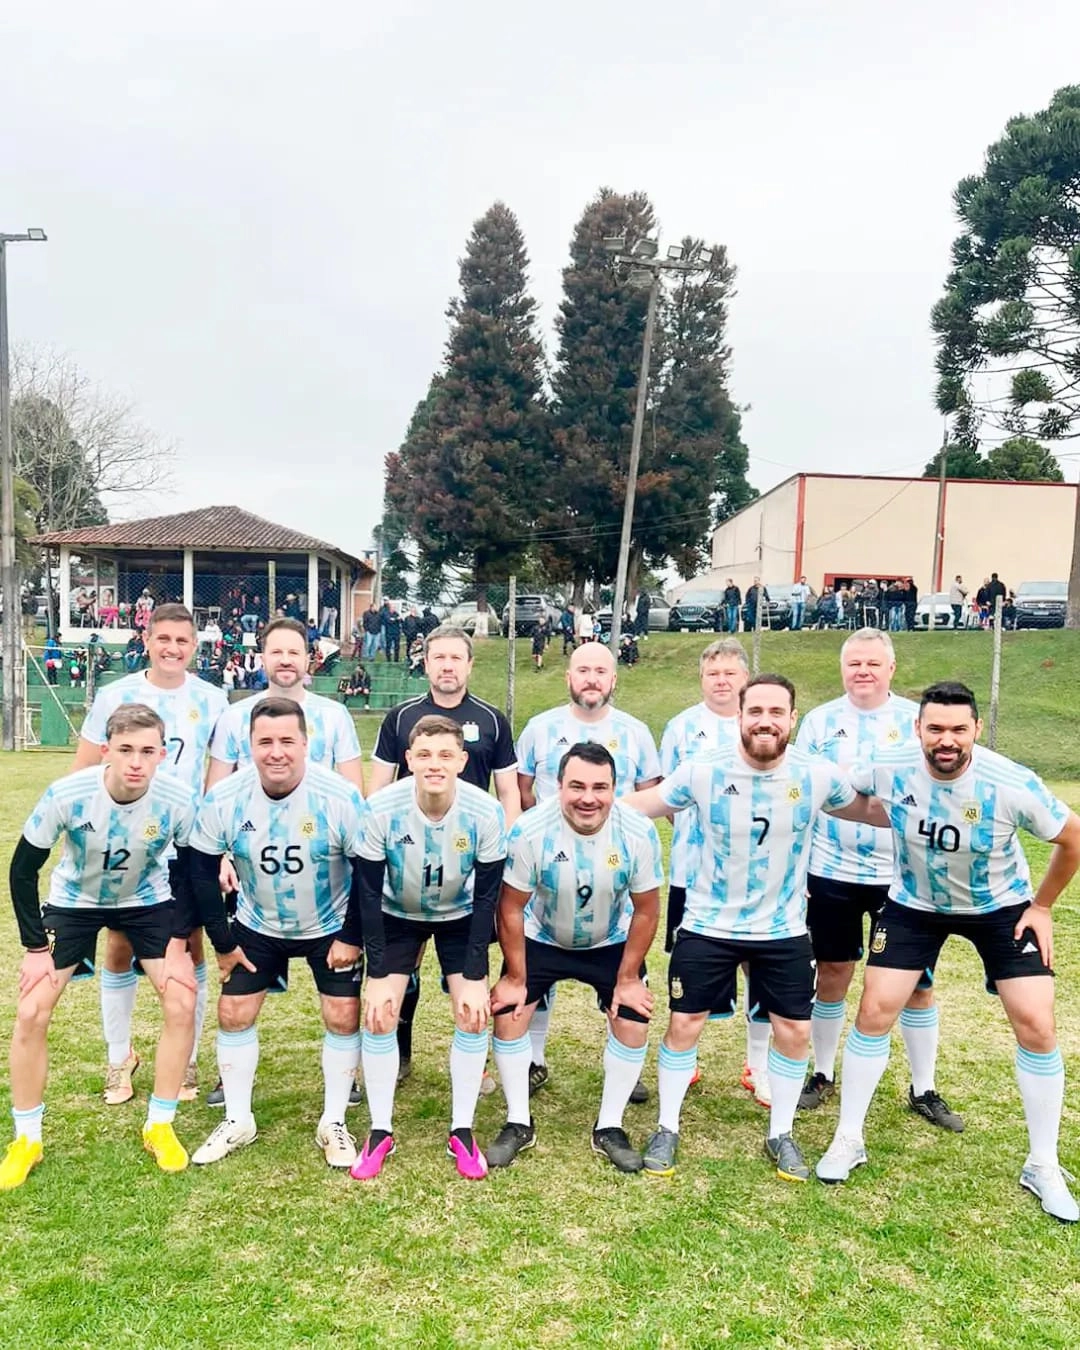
(467, 477)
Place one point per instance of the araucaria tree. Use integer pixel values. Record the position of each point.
(467, 478)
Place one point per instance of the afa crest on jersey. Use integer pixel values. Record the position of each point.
(193, 714)
(150, 830)
(794, 792)
(307, 827)
(461, 843)
(613, 860)
(893, 736)
(613, 744)
(971, 812)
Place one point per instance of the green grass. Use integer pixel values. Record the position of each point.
(932, 1244)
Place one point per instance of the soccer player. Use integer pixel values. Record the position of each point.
(190, 709)
(580, 901)
(746, 901)
(120, 823)
(591, 678)
(850, 871)
(292, 827)
(489, 743)
(431, 863)
(331, 732)
(955, 811)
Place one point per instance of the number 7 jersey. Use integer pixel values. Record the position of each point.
(956, 849)
(292, 854)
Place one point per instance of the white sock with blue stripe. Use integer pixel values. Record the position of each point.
(201, 994)
(160, 1111)
(238, 1058)
(826, 1028)
(28, 1123)
(865, 1060)
(512, 1061)
(468, 1055)
(381, 1059)
(539, 1027)
(919, 1028)
(117, 1010)
(622, 1069)
(1041, 1079)
(340, 1056)
(786, 1078)
(675, 1068)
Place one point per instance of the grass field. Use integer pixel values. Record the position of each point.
(932, 1244)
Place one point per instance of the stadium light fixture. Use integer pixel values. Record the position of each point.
(705, 257)
(615, 243)
(645, 248)
(36, 235)
(675, 252)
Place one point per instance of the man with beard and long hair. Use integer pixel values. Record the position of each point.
(589, 716)
(955, 810)
(746, 902)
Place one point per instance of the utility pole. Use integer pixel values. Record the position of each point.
(939, 527)
(645, 270)
(9, 566)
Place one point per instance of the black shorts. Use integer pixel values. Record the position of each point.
(271, 956)
(406, 937)
(74, 932)
(676, 908)
(703, 970)
(910, 939)
(598, 967)
(834, 914)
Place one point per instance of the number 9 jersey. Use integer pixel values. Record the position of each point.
(292, 854)
(956, 850)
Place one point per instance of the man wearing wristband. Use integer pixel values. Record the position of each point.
(430, 867)
(293, 828)
(955, 810)
(120, 822)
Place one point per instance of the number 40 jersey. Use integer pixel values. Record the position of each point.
(292, 854)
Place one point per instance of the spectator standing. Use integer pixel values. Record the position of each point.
(755, 595)
(391, 622)
(894, 604)
(144, 607)
(957, 596)
(428, 621)
(800, 594)
(371, 623)
(996, 588)
(331, 602)
(584, 625)
(54, 659)
(410, 628)
(566, 628)
(643, 604)
(911, 603)
(732, 605)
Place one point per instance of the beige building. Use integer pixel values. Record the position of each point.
(846, 527)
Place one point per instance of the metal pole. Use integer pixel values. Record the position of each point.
(939, 529)
(9, 581)
(511, 648)
(759, 605)
(995, 675)
(632, 473)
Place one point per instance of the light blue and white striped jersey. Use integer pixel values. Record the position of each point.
(581, 884)
(429, 863)
(956, 845)
(190, 713)
(547, 737)
(687, 735)
(115, 854)
(750, 842)
(331, 732)
(843, 849)
(291, 853)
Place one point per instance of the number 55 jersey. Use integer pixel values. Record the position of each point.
(955, 844)
(292, 854)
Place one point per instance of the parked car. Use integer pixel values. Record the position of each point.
(695, 612)
(468, 617)
(659, 615)
(779, 608)
(1041, 604)
(529, 610)
(943, 615)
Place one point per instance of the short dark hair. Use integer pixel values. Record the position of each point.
(592, 752)
(279, 707)
(767, 678)
(950, 694)
(434, 725)
(292, 625)
(170, 613)
(134, 717)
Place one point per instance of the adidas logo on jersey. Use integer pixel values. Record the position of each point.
(562, 741)
(88, 825)
(841, 734)
(731, 790)
(909, 800)
(405, 839)
(561, 857)
(701, 736)
(247, 825)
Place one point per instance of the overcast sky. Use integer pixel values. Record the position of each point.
(255, 210)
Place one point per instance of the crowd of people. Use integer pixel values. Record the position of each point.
(879, 810)
(384, 628)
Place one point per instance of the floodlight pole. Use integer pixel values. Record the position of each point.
(642, 258)
(9, 573)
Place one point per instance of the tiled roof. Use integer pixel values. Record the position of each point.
(214, 527)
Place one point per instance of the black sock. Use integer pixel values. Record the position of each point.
(405, 1017)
